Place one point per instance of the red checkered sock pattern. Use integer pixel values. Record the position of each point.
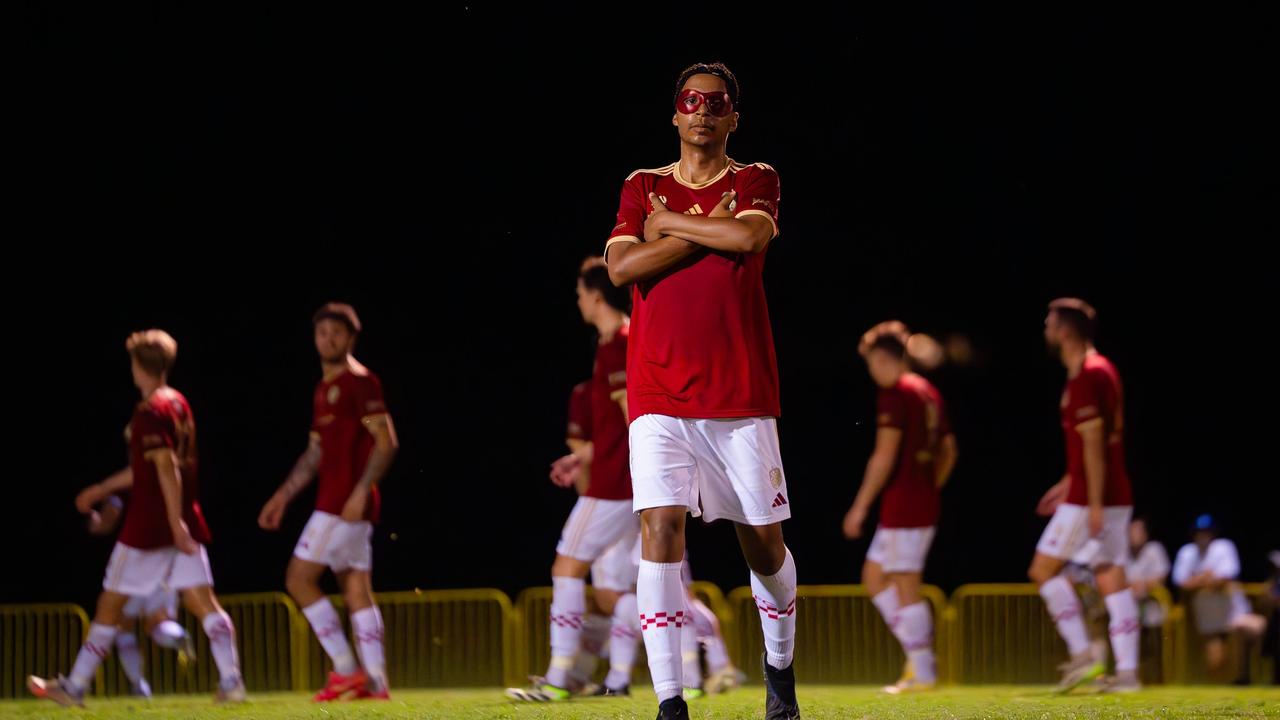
(95, 649)
(328, 628)
(222, 645)
(775, 597)
(367, 626)
(1125, 629)
(624, 636)
(660, 598)
(568, 604)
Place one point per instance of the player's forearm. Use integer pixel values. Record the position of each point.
(380, 460)
(873, 480)
(170, 479)
(303, 472)
(726, 234)
(947, 460)
(1095, 469)
(117, 482)
(584, 450)
(636, 262)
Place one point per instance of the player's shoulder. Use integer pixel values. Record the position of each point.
(166, 402)
(358, 374)
(749, 169)
(644, 174)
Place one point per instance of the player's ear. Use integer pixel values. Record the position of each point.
(734, 125)
(675, 119)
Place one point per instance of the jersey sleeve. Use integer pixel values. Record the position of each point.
(759, 194)
(579, 413)
(629, 225)
(891, 410)
(153, 430)
(368, 396)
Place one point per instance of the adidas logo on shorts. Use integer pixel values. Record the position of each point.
(779, 501)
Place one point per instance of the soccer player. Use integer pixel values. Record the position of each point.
(162, 542)
(352, 445)
(913, 457)
(1092, 504)
(690, 239)
(602, 517)
(156, 611)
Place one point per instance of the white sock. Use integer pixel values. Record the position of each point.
(623, 638)
(1125, 629)
(94, 650)
(886, 601)
(690, 659)
(1064, 607)
(328, 628)
(367, 624)
(593, 646)
(169, 634)
(708, 627)
(568, 604)
(222, 645)
(775, 597)
(660, 599)
(914, 629)
(130, 658)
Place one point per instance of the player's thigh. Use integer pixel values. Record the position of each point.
(199, 600)
(1044, 568)
(565, 566)
(908, 587)
(109, 608)
(873, 577)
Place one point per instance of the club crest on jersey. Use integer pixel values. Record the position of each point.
(775, 478)
(334, 394)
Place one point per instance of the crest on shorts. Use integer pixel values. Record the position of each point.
(334, 394)
(775, 478)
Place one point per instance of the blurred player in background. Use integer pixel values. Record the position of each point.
(914, 454)
(1091, 505)
(162, 542)
(351, 448)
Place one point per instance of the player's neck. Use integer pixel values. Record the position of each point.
(1073, 356)
(699, 164)
(608, 325)
(150, 386)
(332, 370)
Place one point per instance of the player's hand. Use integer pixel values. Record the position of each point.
(722, 208)
(1052, 499)
(565, 470)
(272, 513)
(1095, 521)
(651, 231)
(853, 522)
(89, 497)
(182, 539)
(353, 510)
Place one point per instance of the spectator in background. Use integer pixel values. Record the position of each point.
(1206, 569)
(1272, 644)
(1148, 567)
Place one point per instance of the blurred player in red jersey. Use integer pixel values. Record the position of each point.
(352, 445)
(1091, 505)
(691, 238)
(913, 457)
(156, 611)
(162, 542)
(602, 518)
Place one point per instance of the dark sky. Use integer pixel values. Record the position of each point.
(221, 173)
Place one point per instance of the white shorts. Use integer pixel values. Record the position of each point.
(140, 606)
(594, 526)
(329, 540)
(719, 469)
(618, 567)
(900, 550)
(131, 571)
(1067, 536)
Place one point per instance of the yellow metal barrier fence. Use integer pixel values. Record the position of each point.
(840, 636)
(1189, 652)
(37, 640)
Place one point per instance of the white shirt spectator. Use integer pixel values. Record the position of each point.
(1150, 567)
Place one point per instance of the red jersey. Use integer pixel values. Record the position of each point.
(580, 412)
(701, 344)
(1095, 395)
(341, 405)
(914, 406)
(161, 421)
(610, 458)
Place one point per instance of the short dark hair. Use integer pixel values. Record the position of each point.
(1077, 315)
(596, 277)
(720, 70)
(341, 312)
